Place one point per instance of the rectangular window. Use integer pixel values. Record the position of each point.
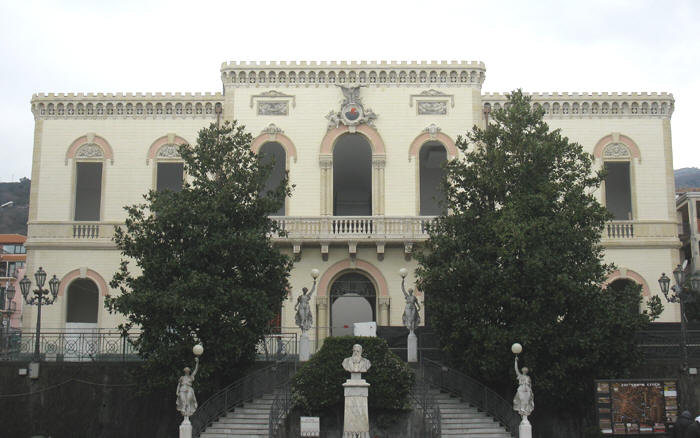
(618, 193)
(169, 177)
(88, 191)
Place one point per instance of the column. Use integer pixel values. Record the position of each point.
(326, 164)
(378, 165)
(321, 320)
(383, 310)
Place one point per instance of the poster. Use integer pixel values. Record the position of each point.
(635, 407)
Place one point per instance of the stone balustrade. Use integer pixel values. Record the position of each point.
(341, 229)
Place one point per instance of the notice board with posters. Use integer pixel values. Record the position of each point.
(636, 407)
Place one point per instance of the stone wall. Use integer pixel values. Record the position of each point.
(82, 400)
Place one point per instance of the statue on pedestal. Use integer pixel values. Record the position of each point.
(304, 318)
(524, 400)
(411, 317)
(186, 401)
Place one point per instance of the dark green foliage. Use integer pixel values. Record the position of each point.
(13, 219)
(319, 383)
(519, 260)
(204, 265)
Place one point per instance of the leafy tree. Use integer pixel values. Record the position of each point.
(205, 268)
(519, 259)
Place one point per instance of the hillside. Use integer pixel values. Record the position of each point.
(13, 218)
(687, 177)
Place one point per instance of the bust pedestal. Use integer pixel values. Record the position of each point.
(356, 417)
(186, 428)
(304, 347)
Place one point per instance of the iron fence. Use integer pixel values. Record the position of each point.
(663, 343)
(425, 401)
(254, 385)
(67, 345)
(471, 391)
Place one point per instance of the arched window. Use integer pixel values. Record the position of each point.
(273, 153)
(352, 176)
(432, 158)
(618, 190)
(618, 285)
(82, 302)
(353, 299)
(89, 153)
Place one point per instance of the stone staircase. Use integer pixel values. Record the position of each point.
(250, 420)
(460, 420)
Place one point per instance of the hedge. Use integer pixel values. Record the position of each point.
(318, 385)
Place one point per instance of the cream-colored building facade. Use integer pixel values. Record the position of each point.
(316, 116)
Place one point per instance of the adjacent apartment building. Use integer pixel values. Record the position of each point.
(363, 143)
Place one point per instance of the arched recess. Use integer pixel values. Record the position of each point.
(88, 154)
(82, 304)
(618, 154)
(168, 171)
(286, 142)
(616, 138)
(426, 137)
(378, 164)
(168, 139)
(334, 272)
(83, 273)
(274, 153)
(90, 139)
(628, 274)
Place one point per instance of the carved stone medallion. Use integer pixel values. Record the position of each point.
(352, 112)
(616, 150)
(89, 150)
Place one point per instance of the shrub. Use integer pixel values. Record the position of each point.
(319, 383)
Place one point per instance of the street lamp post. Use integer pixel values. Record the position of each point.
(681, 293)
(40, 298)
(7, 292)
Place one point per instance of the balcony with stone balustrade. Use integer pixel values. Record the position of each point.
(345, 230)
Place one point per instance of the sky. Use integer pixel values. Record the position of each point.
(168, 46)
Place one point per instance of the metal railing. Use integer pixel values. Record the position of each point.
(277, 347)
(663, 344)
(281, 405)
(71, 345)
(425, 401)
(472, 392)
(254, 385)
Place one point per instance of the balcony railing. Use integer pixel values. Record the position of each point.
(70, 345)
(351, 227)
(337, 228)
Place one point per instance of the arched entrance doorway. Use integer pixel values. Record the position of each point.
(353, 299)
(82, 306)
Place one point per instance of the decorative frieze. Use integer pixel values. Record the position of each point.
(374, 74)
(126, 106)
(168, 151)
(594, 105)
(273, 103)
(432, 102)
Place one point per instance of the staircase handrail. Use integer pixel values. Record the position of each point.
(426, 402)
(281, 405)
(254, 385)
(473, 392)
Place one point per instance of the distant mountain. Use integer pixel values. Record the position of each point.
(13, 218)
(687, 177)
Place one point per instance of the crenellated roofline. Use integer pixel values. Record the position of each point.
(369, 73)
(125, 105)
(594, 105)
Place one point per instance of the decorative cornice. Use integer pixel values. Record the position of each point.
(595, 105)
(125, 106)
(373, 74)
